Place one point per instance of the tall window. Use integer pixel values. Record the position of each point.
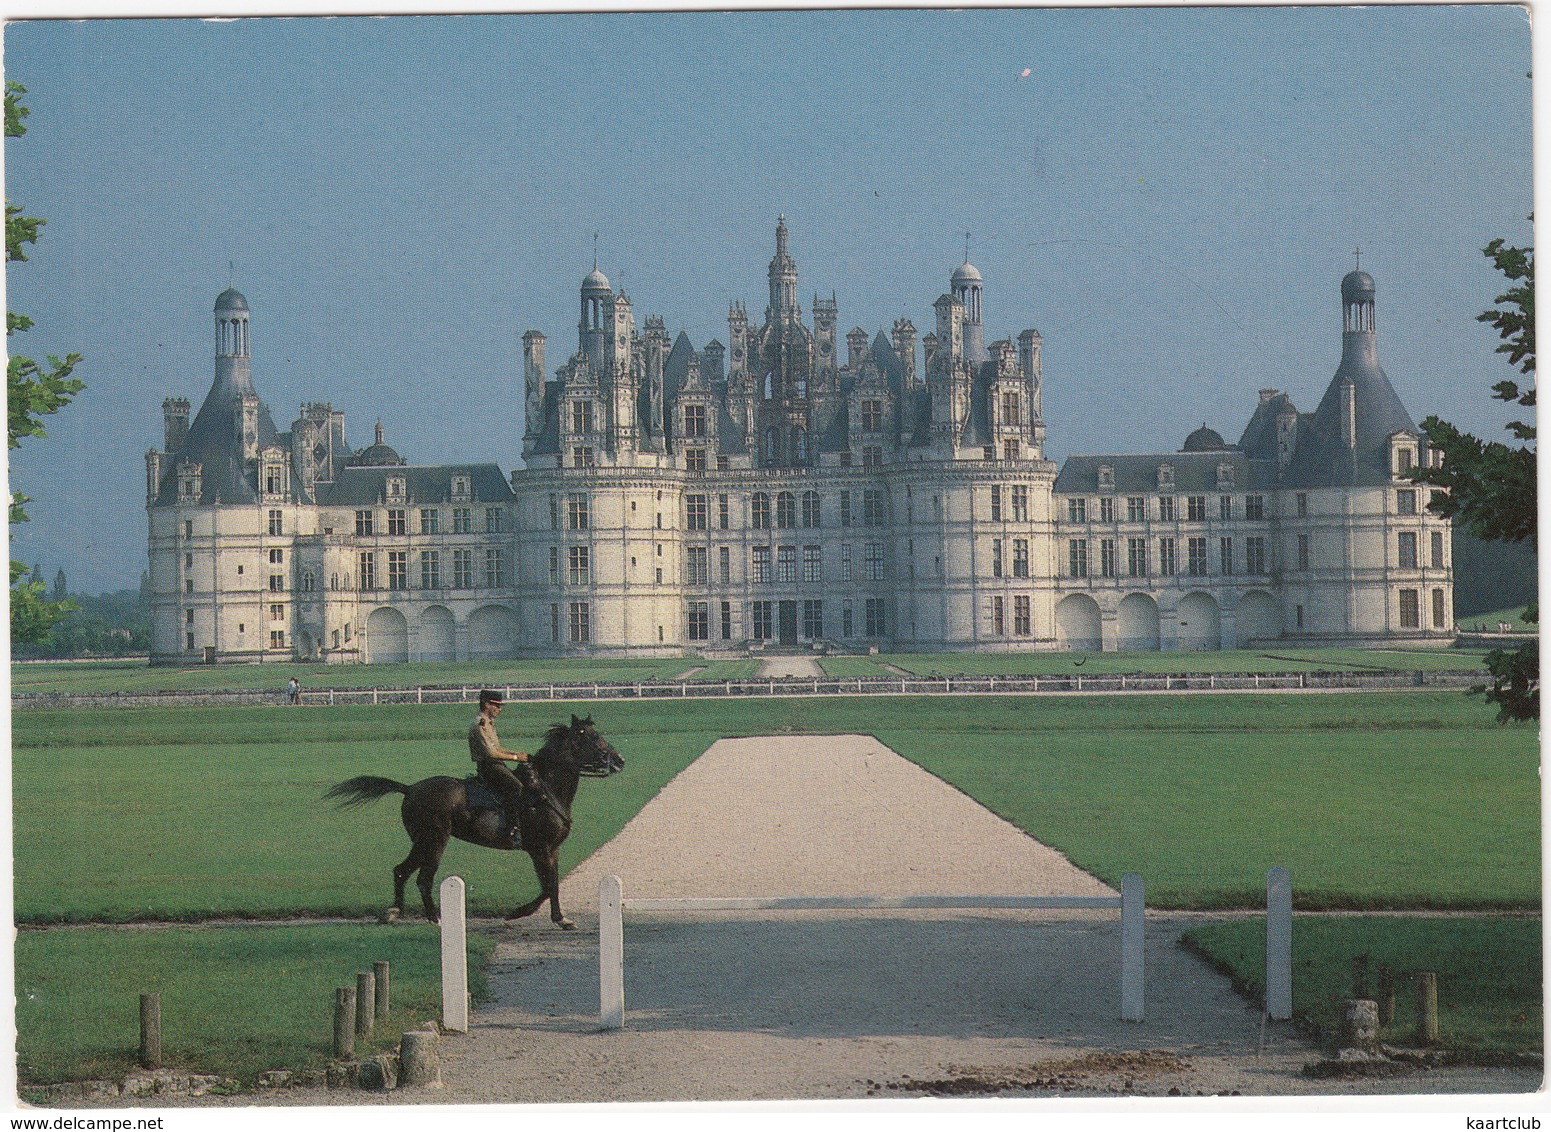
(1255, 555)
(429, 521)
(367, 570)
(1405, 502)
(493, 520)
(761, 567)
(1303, 552)
(462, 520)
(872, 416)
(579, 559)
(812, 618)
(845, 562)
(699, 621)
(1197, 551)
(1136, 508)
(1302, 503)
(1106, 509)
(1408, 550)
(1022, 622)
(1440, 615)
(1010, 415)
(996, 558)
(786, 510)
(786, 563)
(694, 422)
(1166, 508)
(1077, 557)
(810, 509)
(398, 569)
(874, 508)
(430, 570)
(726, 620)
(1410, 610)
(873, 557)
(874, 618)
(1136, 557)
(1009, 449)
(812, 564)
(1254, 507)
(576, 511)
(1225, 506)
(1437, 547)
(760, 620)
(277, 583)
(724, 563)
(581, 622)
(697, 514)
(363, 523)
(397, 521)
(1077, 510)
(554, 566)
(495, 567)
(1020, 558)
(996, 503)
(998, 617)
(1020, 503)
(872, 456)
(1227, 555)
(694, 459)
(463, 569)
(276, 523)
(1168, 562)
(581, 416)
(697, 566)
(1195, 508)
(760, 511)
(845, 508)
(1107, 557)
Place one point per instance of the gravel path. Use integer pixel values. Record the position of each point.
(789, 1005)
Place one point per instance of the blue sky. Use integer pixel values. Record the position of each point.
(1170, 196)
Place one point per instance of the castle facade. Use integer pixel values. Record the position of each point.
(783, 489)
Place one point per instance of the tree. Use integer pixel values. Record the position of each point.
(1491, 485)
(33, 392)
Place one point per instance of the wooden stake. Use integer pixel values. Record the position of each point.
(344, 1023)
(365, 1003)
(380, 974)
(1427, 1008)
(151, 1031)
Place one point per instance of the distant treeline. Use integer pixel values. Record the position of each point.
(114, 624)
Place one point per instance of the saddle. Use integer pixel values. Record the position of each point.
(480, 796)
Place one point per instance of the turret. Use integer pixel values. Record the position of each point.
(233, 365)
(593, 327)
(966, 284)
(175, 421)
(783, 281)
(533, 388)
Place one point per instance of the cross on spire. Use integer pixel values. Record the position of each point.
(595, 251)
(1358, 252)
(966, 247)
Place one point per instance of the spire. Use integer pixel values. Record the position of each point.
(783, 280)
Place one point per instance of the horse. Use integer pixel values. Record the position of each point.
(438, 809)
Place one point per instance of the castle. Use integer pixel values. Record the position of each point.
(771, 492)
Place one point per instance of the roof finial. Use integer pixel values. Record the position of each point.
(231, 275)
(966, 247)
(1358, 252)
(595, 251)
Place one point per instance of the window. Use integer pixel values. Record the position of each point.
(694, 424)
(1254, 507)
(1301, 500)
(462, 520)
(761, 620)
(430, 570)
(1195, 508)
(554, 565)
(1107, 566)
(493, 521)
(812, 564)
(188, 586)
(722, 515)
(1197, 552)
(1255, 555)
(307, 581)
(1168, 563)
(1225, 506)
(1107, 509)
(188, 528)
(1020, 558)
(696, 513)
(1440, 620)
(1020, 503)
(872, 416)
(429, 520)
(277, 638)
(810, 509)
(576, 517)
(996, 503)
(1010, 409)
(581, 416)
(462, 487)
(724, 563)
(1437, 547)
(1136, 508)
(761, 564)
(872, 456)
(874, 508)
(760, 511)
(845, 562)
(1408, 550)
(277, 583)
(1404, 458)
(398, 569)
(1077, 557)
(276, 557)
(1303, 552)
(996, 558)
(998, 619)
(813, 619)
(1136, 557)
(363, 523)
(1410, 610)
(1077, 510)
(726, 620)
(396, 521)
(786, 563)
(554, 624)
(495, 567)
(367, 571)
(1405, 502)
(845, 508)
(694, 459)
(786, 510)
(276, 612)
(1022, 622)
(463, 569)
(276, 523)
(697, 566)
(847, 621)
(874, 618)
(1226, 551)
(1166, 508)
(579, 561)
(873, 557)
(1009, 449)
(699, 621)
(581, 622)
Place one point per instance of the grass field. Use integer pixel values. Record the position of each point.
(1513, 616)
(1489, 972)
(1050, 663)
(235, 1002)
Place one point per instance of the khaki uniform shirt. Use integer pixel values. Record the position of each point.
(483, 742)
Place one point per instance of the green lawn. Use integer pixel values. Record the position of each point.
(1513, 615)
(1050, 663)
(1489, 972)
(235, 1002)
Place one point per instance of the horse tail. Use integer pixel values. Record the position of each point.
(366, 788)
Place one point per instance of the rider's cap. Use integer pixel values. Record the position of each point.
(489, 697)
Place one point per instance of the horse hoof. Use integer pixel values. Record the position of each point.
(565, 925)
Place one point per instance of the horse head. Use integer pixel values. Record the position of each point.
(579, 744)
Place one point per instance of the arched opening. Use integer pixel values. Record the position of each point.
(1198, 624)
(1257, 617)
(436, 635)
(387, 637)
(492, 633)
(1077, 624)
(1137, 624)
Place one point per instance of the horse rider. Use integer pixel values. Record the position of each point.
(505, 772)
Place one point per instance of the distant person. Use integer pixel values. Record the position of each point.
(491, 759)
(293, 691)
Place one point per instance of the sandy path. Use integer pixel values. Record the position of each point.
(791, 1005)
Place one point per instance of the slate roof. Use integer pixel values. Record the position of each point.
(212, 443)
(425, 485)
(1195, 473)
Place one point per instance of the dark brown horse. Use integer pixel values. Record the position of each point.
(439, 809)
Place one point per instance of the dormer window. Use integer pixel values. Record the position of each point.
(1106, 477)
(1224, 477)
(190, 480)
(462, 487)
(397, 489)
(581, 416)
(1165, 475)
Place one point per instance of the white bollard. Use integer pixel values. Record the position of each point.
(611, 954)
(1278, 945)
(1133, 942)
(455, 957)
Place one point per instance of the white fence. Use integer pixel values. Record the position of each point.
(612, 904)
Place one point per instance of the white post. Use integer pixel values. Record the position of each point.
(1278, 945)
(611, 954)
(1133, 938)
(455, 957)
